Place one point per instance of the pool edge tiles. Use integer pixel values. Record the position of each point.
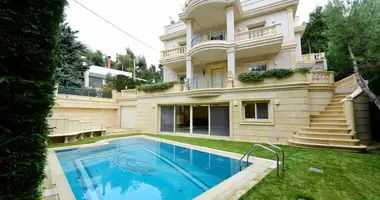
(231, 188)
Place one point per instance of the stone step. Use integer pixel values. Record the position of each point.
(336, 103)
(326, 130)
(330, 141)
(348, 148)
(332, 112)
(326, 135)
(327, 120)
(339, 96)
(328, 116)
(339, 108)
(329, 124)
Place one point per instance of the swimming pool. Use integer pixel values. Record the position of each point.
(140, 168)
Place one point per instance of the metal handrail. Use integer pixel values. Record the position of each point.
(253, 149)
(282, 154)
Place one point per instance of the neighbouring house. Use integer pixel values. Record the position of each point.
(215, 53)
(95, 76)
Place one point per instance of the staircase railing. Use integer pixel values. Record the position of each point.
(254, 148)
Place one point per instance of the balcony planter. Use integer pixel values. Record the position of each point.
(296, 77)
(176, 88)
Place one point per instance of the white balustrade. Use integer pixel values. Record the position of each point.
(173, 52)
(129, 93)
(313, 56)
(256, 33)
(324, 77)
(348, 82)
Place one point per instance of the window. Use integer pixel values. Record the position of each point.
(95, 82)
(257, 68)
(256, 110)
(182, 78)
(256, 27)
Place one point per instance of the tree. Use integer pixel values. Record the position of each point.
(28, 59)
(313, 39)
(95, 58)
(71, 64)
(353, 29)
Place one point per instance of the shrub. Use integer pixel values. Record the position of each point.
(272, 73)
(28, 58)
(156, 87)
(121, 81)
(302, 70)
(251, 76)
(277, 73)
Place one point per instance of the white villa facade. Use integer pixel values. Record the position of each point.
(95, 75)
(214, 42)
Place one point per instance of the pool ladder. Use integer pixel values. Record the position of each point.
(270, 149)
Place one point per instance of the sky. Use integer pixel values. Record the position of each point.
(143, 19)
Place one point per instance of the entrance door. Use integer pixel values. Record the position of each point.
(218, 78)
(128, 117)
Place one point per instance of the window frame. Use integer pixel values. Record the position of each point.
(256, 121)
(263, 62)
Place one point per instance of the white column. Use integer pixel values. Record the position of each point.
(230, 23)
(86, 76)
(189, 33)
(231, 61)
(189, 67)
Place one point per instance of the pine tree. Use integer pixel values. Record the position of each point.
(71, 63)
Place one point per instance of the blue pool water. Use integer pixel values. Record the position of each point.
(138, 168)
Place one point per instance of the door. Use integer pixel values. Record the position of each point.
(128, 118)
(218, 78)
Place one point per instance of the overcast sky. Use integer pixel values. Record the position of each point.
(144, 19)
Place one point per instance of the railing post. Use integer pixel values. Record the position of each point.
(230, 80)
(186, 87)
(349, 112)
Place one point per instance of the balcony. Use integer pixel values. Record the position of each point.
(314, 57)
(260, 41)
(315, 60)
(173, 56)
(256, 34)
(212, 86)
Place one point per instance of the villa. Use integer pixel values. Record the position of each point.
(232, 71)
(208, 52)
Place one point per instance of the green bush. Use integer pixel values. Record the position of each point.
(254, 76)
(302, 70)
(277, 73)
(28, 58)
(251, 76)
(271, 73)
(121, 81)
(156, 87)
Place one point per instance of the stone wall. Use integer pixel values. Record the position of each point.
(98, 111)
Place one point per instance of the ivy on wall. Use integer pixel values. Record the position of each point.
(156, 87)
(254, 76)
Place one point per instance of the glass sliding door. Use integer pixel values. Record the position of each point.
(182, 119)
(220, 120)
(200, 119)
(167, 119)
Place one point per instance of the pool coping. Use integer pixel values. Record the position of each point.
(231, 188)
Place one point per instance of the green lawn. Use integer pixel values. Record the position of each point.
(345, 176)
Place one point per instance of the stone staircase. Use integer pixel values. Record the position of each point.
(329, 129)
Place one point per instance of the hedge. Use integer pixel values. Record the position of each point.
(254, 76)
(156, 87)
(28, 58)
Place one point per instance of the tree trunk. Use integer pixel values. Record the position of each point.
(308, 43)
(362, 84)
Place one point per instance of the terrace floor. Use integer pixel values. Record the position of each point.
(345, 175)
